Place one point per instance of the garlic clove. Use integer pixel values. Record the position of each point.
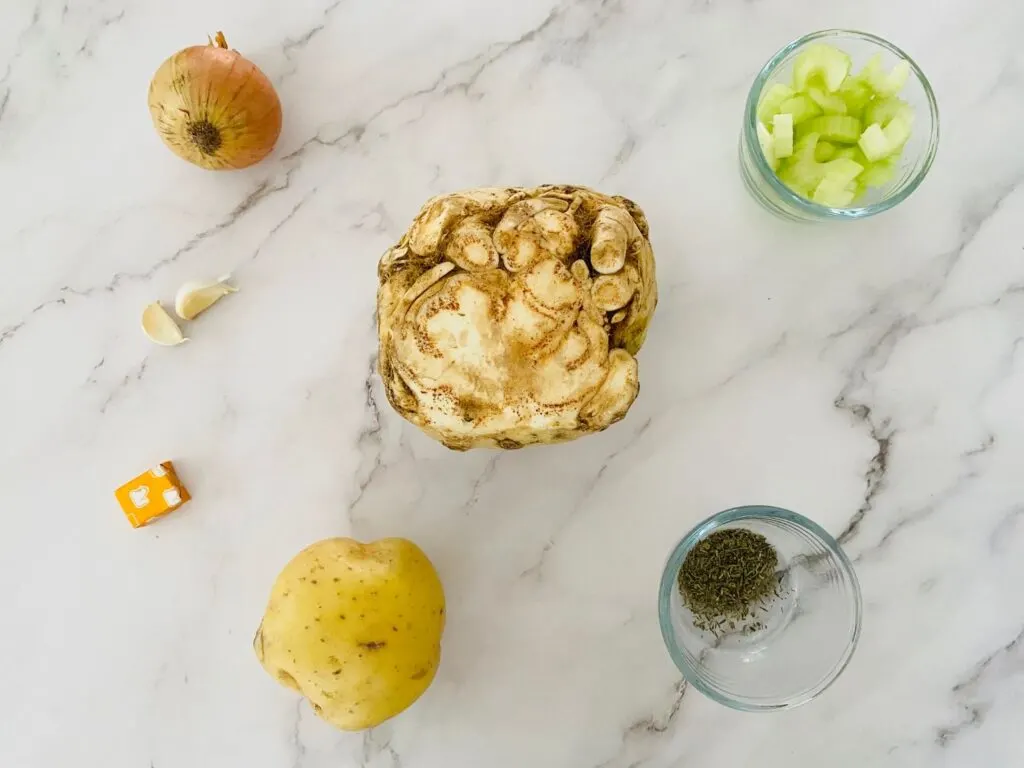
(196, 296)
(160, 327)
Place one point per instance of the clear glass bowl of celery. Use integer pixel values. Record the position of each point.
(838, 125)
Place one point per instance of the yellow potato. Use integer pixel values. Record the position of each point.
(356, 628)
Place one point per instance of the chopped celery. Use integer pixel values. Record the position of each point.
(882, 111)
(787, 176)
(782, 133)
(813, 134)
(881, 83)
(824, 61)
(896, 133)
(853, 153)
(893, 83)
(805, 146)
(873, 143)
(833, 195)
(842, 170)
(801, 173)
(856, 94)
(767, 145)
(801, 108)
(878, 142)
(841, 128)
(771, 100)
(871, 72)
(825, 150)
(878, 174)
(802, 177)
(831, 103)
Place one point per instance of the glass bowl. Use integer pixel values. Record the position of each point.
(796, 644)
(915, 161)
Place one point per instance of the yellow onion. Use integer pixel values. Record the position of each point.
(215, 108)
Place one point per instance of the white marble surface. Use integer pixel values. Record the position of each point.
(868, 375)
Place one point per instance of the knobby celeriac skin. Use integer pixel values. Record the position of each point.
(508, 316)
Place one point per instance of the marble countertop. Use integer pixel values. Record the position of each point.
(869, 375)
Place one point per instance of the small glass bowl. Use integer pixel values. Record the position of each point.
(915, 161)
(796, 644)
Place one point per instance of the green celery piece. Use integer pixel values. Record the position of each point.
(801, 172)
(802, 131)
(856, 94)
(831, 104)
(841, 128)
(801, 108)
(871, 71)
(882, 111)
(764, 138)
(853, 153)
(800, 177)
(832, 195)
(819, 60)
(882, 83)
(793, 184)
(896, 133)
(805, 146)
(879, 174)
(782, 134)
(842, 170)
(874, 144)
(825, 151)
(893, 82)
(771, 100)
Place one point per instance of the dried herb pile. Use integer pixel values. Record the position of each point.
(727, 576)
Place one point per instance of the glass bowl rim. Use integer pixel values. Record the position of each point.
(809, 206)
(668, 586)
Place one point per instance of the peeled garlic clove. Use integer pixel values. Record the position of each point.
(160, 327)
(196, 296)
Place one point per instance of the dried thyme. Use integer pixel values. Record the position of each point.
(727, 575)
